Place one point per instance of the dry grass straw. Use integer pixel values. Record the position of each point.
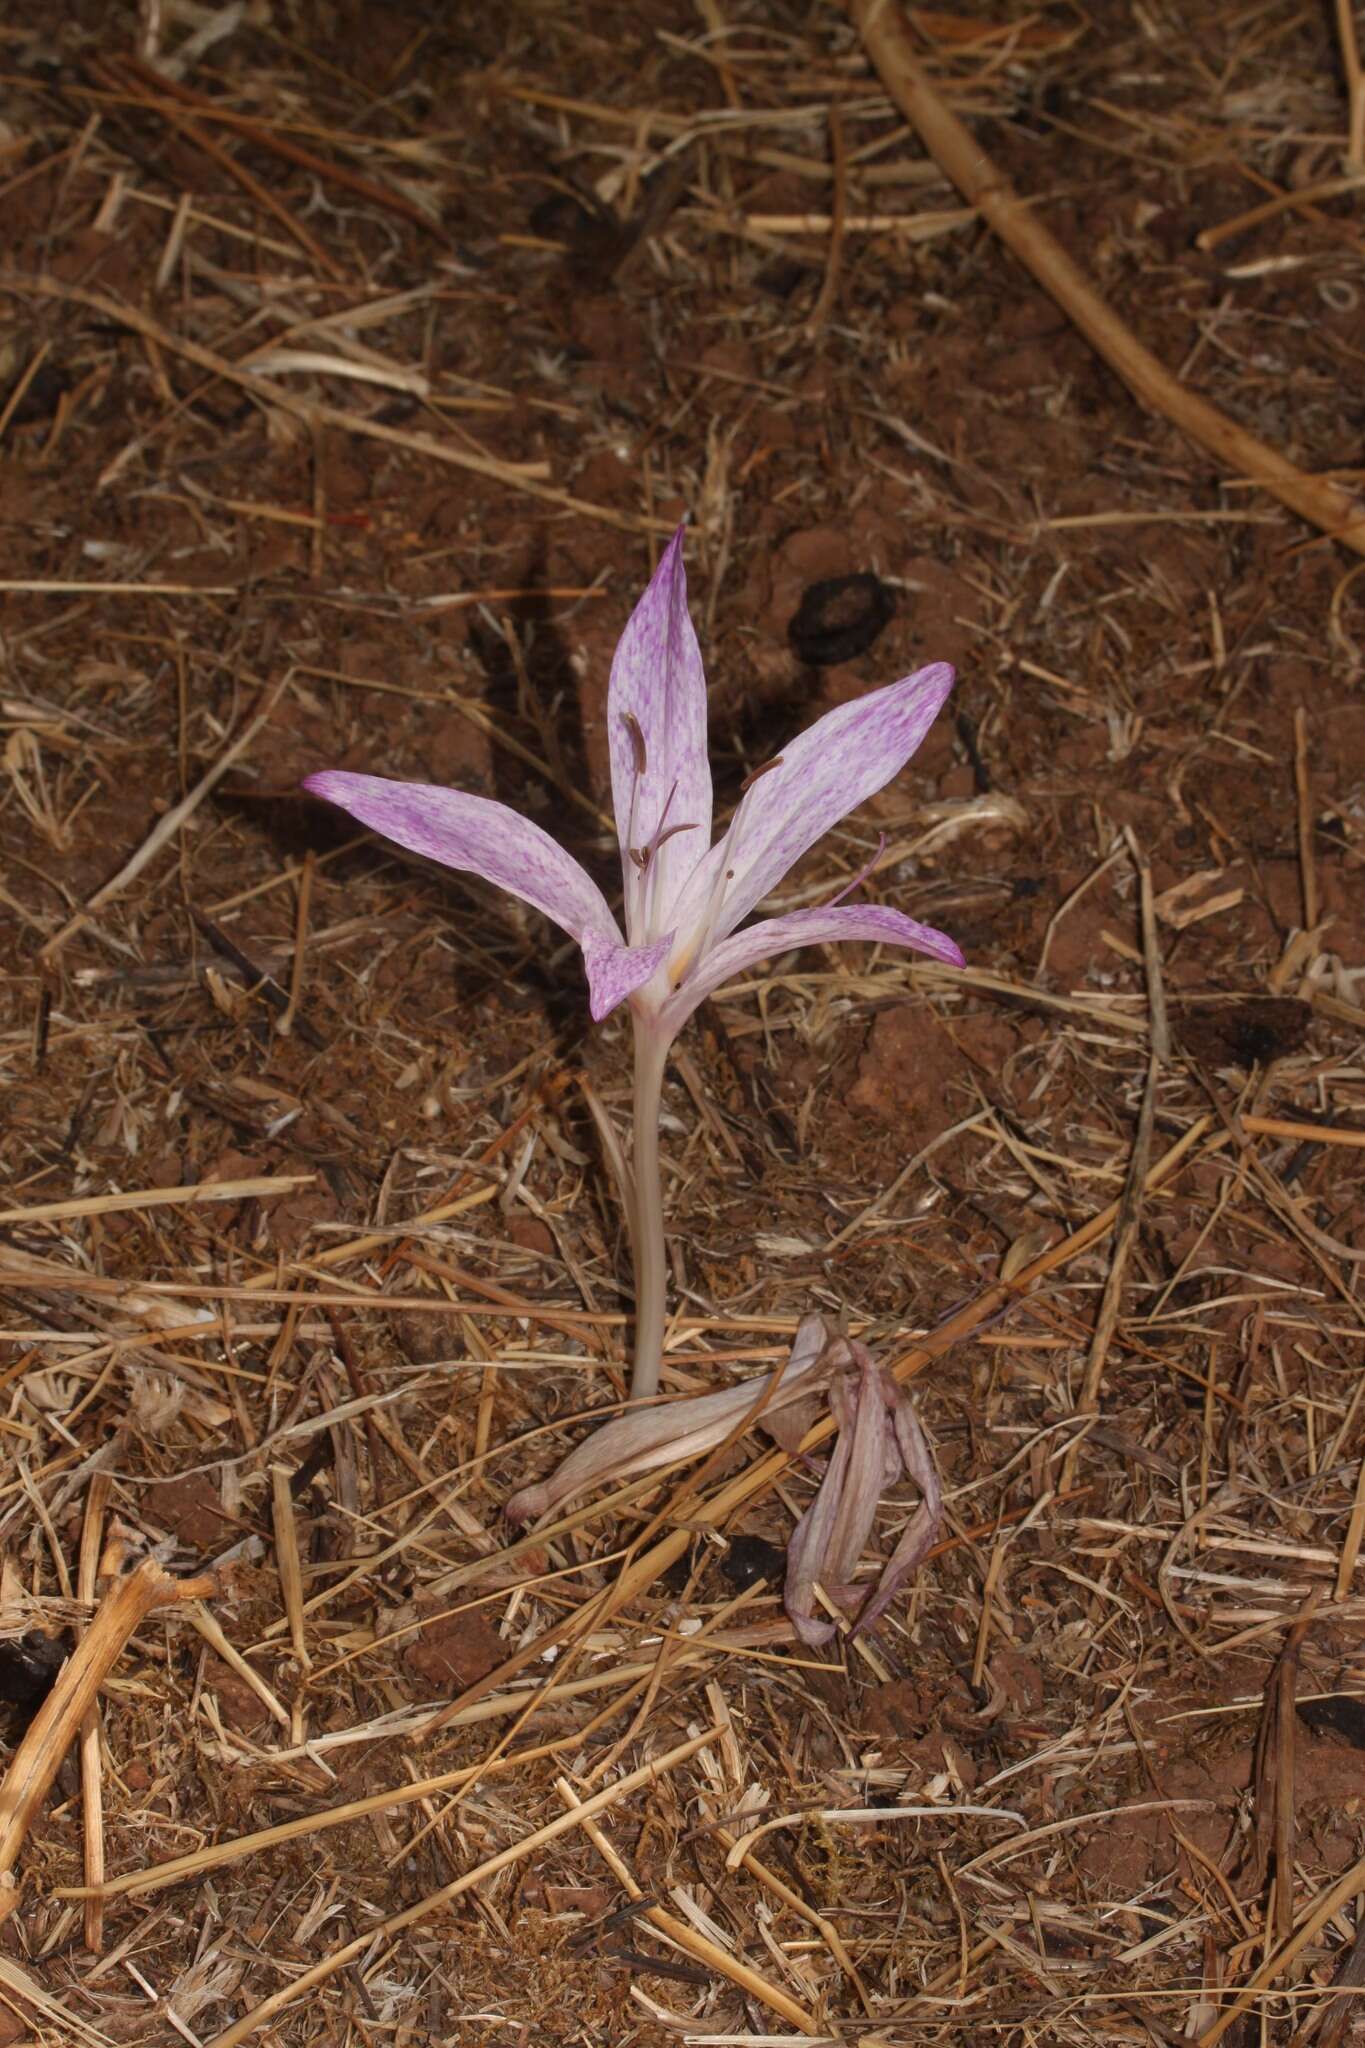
(287, 1558)
(31, 1996)
(63, 1714)
(357, 1341)
(687, 1938)
(157, 83)
(92, 1791)
(166, 828)
(1315, 499)
(131, 1201)
(1355, 84)
(579, 1815)
(316, 414)
(1135, 1185)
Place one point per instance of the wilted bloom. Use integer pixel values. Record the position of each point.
(684, 898)
(651, 1437)
(879, 1442)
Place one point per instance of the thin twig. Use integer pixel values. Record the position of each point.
(58, 1721)
(687, 1937)
(838, 155)
(1355, 83)
(92, 1783)
(1323, 504)
(272, 393)
(300, 1986)
(1308, 873)
(168, 826)
(1130, 1212)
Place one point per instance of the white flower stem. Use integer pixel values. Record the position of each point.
(647, 1219)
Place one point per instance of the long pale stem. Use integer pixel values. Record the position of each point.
(647, 1218)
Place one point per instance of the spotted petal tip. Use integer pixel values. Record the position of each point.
(480, 837)
(656, 736)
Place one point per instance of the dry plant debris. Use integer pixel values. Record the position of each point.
(354, 366)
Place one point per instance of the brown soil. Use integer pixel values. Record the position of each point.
(377, 447)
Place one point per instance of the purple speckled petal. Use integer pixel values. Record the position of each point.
(616, 971)
(657, 681)
(821, 775)
(804, 928)
(483, 838)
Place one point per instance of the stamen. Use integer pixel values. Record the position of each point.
(766, 769)
(659, 833)
(861, 875)
(643, 855)
(699, 944)
(648, 868)
(637, 741)
(664, 837)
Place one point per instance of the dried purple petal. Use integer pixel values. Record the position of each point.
(879, 1442)
(665, 1435)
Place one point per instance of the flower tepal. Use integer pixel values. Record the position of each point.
(684, 898)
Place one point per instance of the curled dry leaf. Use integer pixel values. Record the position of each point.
(666, 1435)
(880, 1442)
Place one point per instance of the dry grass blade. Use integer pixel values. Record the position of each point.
(167, 827)
(92, 1788)
(848, 1815)
(1302, 1133)
(54, 1727)
(288, 1562)
(1351, 1541)
(258, 193)
(688, 1938)
(267, 137)
(1337, 2012)
(198, 1862)
(1135, 1185)
(67, 2025)
(1312, 907)
(1348, 1887)
(646, 1774)
(1320, 502)
(65, 586)
(203, 1620)
(22, 383)
(1355, 84)
(318, 414)
(257, 1187)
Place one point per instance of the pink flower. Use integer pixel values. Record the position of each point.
(684, 898)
